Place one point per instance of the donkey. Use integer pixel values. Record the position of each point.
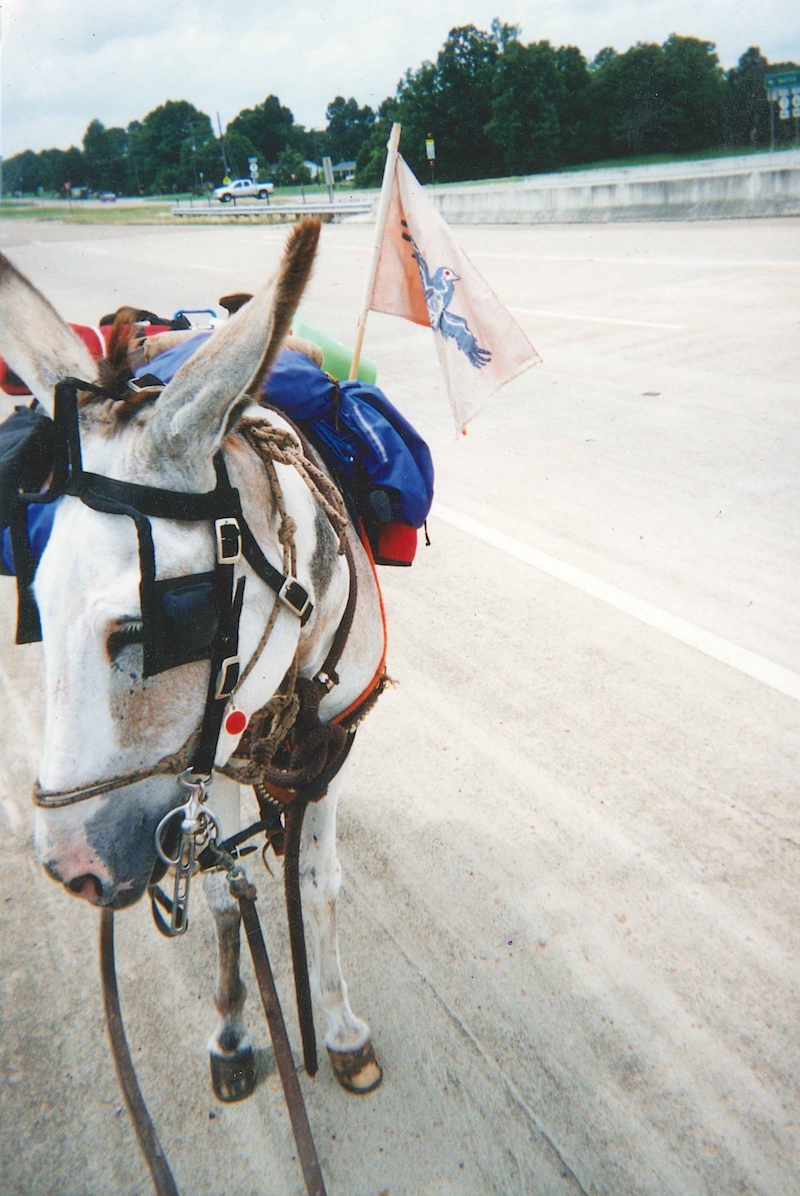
(104, 717)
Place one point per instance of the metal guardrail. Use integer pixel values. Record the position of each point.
(220, 211)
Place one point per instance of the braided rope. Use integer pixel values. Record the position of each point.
(272, 444)
(280, 445)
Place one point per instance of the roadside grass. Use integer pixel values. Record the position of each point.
(77, 213)
(147, 210)
(663, 159)
(620, 163)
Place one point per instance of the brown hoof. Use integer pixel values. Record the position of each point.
(357, 1071)
(233, 1077)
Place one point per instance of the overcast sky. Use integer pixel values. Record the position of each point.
(64, 63)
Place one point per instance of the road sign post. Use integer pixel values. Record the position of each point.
(327, 170)
(430, 154)
(783, 91)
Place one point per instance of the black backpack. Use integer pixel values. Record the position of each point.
(26, 455)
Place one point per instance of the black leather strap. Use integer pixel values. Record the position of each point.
(306, 1151)
(163, 1181)
(225, 649)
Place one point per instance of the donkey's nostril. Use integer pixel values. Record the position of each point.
(88, 887)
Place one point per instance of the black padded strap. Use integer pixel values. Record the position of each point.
(152, 502)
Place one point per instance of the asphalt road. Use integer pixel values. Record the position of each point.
(570, 848)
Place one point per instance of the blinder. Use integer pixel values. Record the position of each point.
(182, 624)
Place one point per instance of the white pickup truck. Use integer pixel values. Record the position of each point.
(242, 189)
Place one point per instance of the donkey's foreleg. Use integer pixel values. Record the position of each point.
(348, 1037)
(233, 1073)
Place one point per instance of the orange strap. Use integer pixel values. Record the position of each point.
(381, 670)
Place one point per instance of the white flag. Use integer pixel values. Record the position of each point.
(424, 276)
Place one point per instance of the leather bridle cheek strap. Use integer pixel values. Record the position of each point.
(234, 541)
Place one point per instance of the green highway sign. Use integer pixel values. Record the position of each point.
(782, 79)
(783, 89)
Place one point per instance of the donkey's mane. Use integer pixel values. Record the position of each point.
(117, 406)
(120, 405)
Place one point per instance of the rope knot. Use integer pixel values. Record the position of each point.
(281, 710)
(287, 530)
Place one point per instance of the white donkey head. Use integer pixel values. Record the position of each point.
(104, 718)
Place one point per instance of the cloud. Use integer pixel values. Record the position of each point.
(64, 64)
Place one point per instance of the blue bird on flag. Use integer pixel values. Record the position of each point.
(482, 347)
(439, 289)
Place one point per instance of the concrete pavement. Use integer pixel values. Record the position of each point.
(570, 848)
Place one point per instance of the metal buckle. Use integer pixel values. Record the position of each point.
(328, 680)
(295, 596)
(227, 677)
(199, 826)
(139, 384)
(229, 549)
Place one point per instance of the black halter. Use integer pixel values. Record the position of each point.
(184, 619)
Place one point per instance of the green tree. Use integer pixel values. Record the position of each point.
(372, 155)
(576, 119)
(104, 152)
(525, 126)
(349, 127)
(290, 169)
(452, 101)
(270, 128)
(693, 93)
(22, 172)
(162, 144)
(654, 99)
(626, 88)
(747, 117)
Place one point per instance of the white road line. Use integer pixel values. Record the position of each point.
(777, 677)
(212, 269)
(732, 263)
(578, 259)
(563, 315)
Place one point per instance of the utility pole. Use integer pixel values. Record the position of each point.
(222, 144)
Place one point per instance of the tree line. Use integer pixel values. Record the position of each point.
(497, 107)
(174, 148)
(494, 105)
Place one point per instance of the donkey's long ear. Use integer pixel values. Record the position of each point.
(35, 341)
(191, 417)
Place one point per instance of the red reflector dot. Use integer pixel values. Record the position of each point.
(236, 722)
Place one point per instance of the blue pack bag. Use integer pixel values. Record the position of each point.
(364, 438)
(382, 464)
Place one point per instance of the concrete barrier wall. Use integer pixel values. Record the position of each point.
(762, 185)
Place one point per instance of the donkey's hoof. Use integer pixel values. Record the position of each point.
(233, 1077)
(357, 1071)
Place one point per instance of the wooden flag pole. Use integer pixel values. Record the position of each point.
(380, 227)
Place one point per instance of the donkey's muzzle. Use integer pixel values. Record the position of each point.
(86, 885)
(106, 856)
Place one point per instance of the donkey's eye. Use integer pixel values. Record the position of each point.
(124, 634)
